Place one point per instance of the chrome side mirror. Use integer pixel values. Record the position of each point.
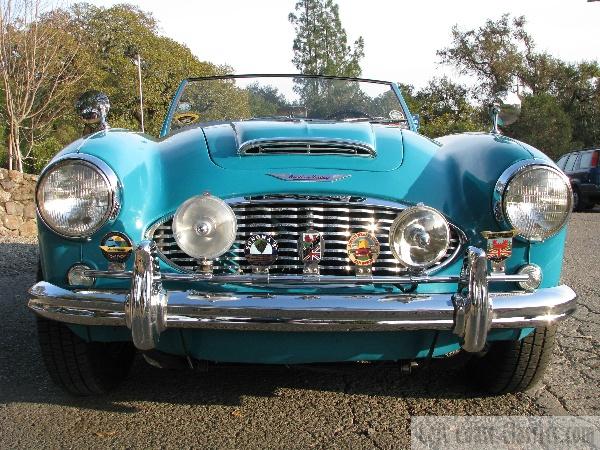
(505, 112)
(93, 107)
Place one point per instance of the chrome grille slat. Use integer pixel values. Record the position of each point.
(285, 221)
(308, 146)
(320, 209)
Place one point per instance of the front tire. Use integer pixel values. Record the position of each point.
(514, 366)
(579, 203)
(82, 368)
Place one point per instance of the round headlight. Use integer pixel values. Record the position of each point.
(536, 200)
(75, 197)
(419, 237)
(204, 227)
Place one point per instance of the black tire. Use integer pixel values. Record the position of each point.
(514, 366)
(82, 368)
(579, 203)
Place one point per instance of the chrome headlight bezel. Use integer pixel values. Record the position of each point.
(394, 228)
(499, 206)
(109, 177)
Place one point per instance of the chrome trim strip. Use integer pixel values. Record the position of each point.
(305, 280)
(300, 178)
(188, 309)
(107, 173)
(306, 144)
(293, 199)
(502, 184)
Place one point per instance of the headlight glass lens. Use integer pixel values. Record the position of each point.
(74, 198)
(204, 227)
(419, 237)
(537, 202)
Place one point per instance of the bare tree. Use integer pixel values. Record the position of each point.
(39, 65)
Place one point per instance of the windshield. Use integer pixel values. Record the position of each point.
(285, 98)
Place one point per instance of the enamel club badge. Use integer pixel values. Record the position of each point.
(363, 248)
(261, 250)
(499, 244)
(116, 247)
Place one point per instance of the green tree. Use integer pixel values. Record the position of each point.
(495, 54)
(443, 107)
(265, 100)
(502, 57)
(543, 124)
(106, 39)
(321, 44)
(40, 62)
(113, 35)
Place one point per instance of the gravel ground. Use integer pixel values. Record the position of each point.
(358, 406)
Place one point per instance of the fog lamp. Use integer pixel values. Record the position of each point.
(205, 227)
(419, 237)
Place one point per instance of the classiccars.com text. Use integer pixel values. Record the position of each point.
(497, 432)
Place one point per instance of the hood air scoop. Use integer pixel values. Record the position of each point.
(312, 146)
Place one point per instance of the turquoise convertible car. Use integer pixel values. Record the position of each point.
(297, 219)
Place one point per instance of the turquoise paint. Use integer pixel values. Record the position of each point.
(265, 347)
(454, 174)
(157, 176)
(524, 332)
(223, 142)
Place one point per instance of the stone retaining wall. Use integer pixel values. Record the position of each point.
(17, 208)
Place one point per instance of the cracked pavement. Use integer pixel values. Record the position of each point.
(341, 406)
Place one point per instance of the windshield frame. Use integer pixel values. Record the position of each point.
(166, 127)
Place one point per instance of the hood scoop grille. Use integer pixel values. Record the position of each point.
(338, 147)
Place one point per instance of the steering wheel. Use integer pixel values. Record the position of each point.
(346, 114)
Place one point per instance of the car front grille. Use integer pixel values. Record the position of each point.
(285, 219)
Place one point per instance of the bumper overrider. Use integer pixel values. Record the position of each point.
(148, 309)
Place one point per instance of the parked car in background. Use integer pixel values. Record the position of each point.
(290, 219)
(582, 169)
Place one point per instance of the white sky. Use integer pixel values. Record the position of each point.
(401, 37)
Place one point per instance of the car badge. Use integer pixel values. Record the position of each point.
(309, 178)
(116, 248)
(363, 250)
(261, 251)
(311, 246)
(499, 248)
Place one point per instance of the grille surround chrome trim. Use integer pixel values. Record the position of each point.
(363, 205)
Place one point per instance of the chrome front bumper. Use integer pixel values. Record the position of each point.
(148, 309)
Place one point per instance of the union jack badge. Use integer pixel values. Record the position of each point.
(311, 247)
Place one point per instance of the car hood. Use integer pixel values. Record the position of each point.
(257, 145)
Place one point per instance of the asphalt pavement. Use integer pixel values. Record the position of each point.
(341, 406)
